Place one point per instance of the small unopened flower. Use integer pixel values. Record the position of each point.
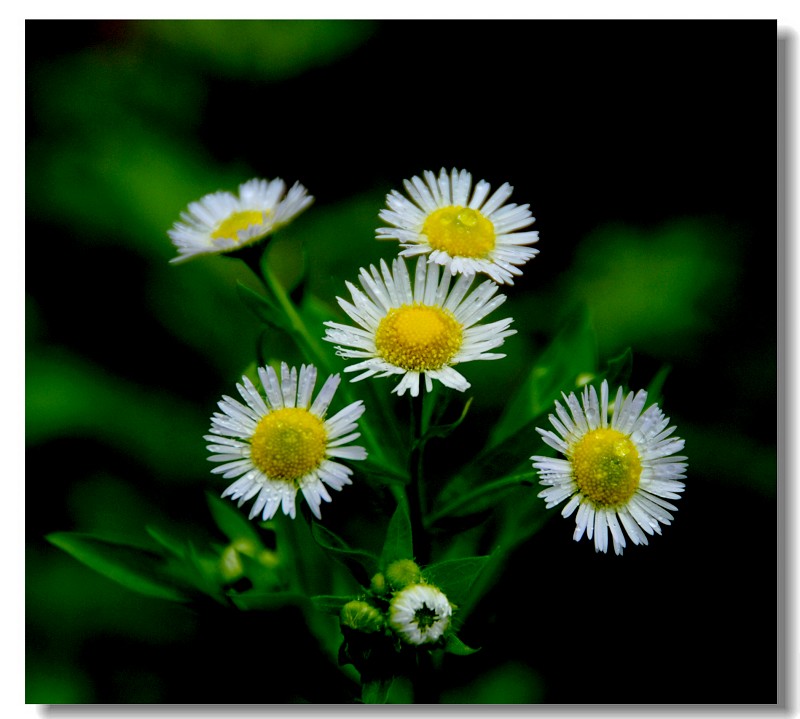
(361, 616)
(417, 331)
(403, 572)
(283, 443)
(378, 584)
(223, 222)
(465, 234)
(618, 473)
(420, 613)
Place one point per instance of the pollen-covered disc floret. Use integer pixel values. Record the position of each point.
(617, 473)
(420, 614)
(417, 331)
(466, 234)
(222, 221)
(282, 443)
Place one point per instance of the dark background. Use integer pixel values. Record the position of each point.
(646, 151)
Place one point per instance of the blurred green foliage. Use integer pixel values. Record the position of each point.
(275, 50)
(657, 289)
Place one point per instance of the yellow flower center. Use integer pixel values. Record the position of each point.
(230, 227)
(459, 231)
(288, 444)
(418, 337)
(606, 467)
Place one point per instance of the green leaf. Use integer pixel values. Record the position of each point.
(376, 691)
(268, 51)
(656, 386)
(455, 576)
(455, 646)
(362, 564)
(268, 311)
(570, 357)
(510, 457)
(173, 544)
(135, 568)
(380, 473)
(455, 524)
(618, 371)
(398, 544)
(330, 604)
(484, 496)
(264, 578)
(231, 522)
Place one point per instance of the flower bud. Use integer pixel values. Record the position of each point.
(401, 573)
(230, 565)
(378, 584)
(359, 615)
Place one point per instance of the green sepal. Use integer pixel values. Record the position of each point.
(330, 604)
(455, 576)
(138, 569)
(362, 564)
(454, 645)
(398, 543)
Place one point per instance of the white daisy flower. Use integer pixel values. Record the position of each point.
(222, 222)
(420, 613)
(283, 443)
(466, 235)
(618, 473)
(419, 331)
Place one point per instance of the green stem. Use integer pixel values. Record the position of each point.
(313, 347)
(417, 499)
(320, 353)
(252, 257)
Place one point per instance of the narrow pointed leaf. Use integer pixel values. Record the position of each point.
(231, 522)
(398, 544)
(362, 564)
(174, 545)
(267, 310)
(138, 569)
(571, 356)
(330, 604)
(455, 646)
(483, 497)
(455, 576)
(618, 371)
